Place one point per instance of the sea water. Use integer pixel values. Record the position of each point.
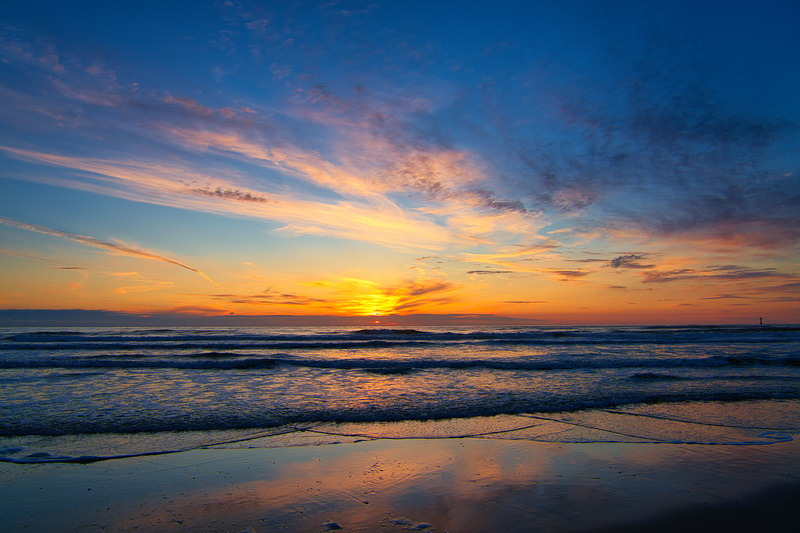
(110, 392)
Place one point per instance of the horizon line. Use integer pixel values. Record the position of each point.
(106, 318)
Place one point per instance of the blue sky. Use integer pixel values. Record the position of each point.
(579, 162)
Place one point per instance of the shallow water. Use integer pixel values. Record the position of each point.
(744, 423)
(238, 382)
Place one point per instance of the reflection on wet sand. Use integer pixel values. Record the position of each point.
(612, 469)
(447, 484)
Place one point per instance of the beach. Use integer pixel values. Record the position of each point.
(380, 266)
(363, 477)
(547, 429)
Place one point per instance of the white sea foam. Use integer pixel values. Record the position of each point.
(734, 424)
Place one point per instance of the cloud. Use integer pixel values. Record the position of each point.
(416, 295)
(357, 196)
(374, 175)
(354, 296)
(569, 275)
(515, 253)
(640, 148)
(272, 297)
(190, 104)
(785, 287)
(381, 221)
(629, 261)
(64, 266)
(755, 232)
(370, 168)
(783, 299)
(719, 272)
(369, 162)
(144, 286)
(229, 194)
(624, 147)
(365, 297)
(97, 243)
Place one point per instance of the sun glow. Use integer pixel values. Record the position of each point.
(375, 304)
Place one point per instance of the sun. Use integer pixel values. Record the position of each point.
(374, 304)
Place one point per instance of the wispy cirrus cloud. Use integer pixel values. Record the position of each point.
(63, 266)
(449, 183)
(369, 159)
(272, 297)
(417, 186)
(726, 297)
(382, 221)
(716, 273)
(97, 243)
(515, 253)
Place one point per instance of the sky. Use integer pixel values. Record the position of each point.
(597, 162)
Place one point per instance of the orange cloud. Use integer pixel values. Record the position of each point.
(410, 296)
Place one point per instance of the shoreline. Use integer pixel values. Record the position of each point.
(682, 466)
(442, 484)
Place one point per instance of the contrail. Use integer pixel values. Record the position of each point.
(97, 243)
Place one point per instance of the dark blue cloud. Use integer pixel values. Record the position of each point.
(630, 261)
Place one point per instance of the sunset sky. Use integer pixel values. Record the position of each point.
(614, 162)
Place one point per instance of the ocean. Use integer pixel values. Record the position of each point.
(85, 394)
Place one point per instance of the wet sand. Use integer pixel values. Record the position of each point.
(446, 484)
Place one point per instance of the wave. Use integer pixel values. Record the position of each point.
(60, 380)
(232, 361)
(651, 376)
(486, 406)
(11, 456)
(221, 338)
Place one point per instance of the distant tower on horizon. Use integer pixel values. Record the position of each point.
(760, 321)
